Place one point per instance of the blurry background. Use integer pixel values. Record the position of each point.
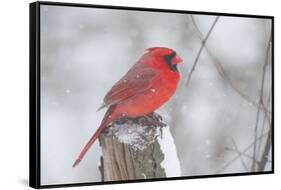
(84, 51)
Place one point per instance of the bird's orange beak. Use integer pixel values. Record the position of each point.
(177, 59)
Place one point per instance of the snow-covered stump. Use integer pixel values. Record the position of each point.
(138, 148)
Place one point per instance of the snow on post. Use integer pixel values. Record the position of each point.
(138, 148)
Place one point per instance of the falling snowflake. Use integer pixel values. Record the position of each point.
(208, 142)
(81, 26)
(208, 156)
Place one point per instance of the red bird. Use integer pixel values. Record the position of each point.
(145, 87)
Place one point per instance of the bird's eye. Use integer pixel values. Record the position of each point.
(169, 60)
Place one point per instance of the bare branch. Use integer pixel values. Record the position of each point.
(224, 75)
(244, 151)
(239, 154)
(264, 158)
(245, 155)
(260, 101)
(260, 105)
(200, 50)
(197, 28)
(264, 118)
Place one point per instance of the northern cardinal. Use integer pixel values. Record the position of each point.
(145, 87)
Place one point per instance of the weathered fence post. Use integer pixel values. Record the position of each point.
(131, 149)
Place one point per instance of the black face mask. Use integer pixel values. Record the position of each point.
(168, 59)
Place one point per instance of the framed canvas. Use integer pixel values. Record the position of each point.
(126, 94)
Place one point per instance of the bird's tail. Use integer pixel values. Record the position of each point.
(108, 118)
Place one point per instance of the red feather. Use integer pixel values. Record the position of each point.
(144, 88)
(131, 84)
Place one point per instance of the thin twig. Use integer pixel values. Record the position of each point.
(260, 101)
(264, 118)
(223, 73)
(244, 151)
(245, 155)
(197, 28)
(239, 154)
(200, 50)
(264, 157)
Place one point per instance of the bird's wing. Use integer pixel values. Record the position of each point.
(132, 83)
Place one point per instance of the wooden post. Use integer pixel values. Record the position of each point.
(130, 149)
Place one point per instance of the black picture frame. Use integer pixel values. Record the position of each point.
(34, 93)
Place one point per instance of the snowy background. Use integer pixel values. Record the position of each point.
(85, 50)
